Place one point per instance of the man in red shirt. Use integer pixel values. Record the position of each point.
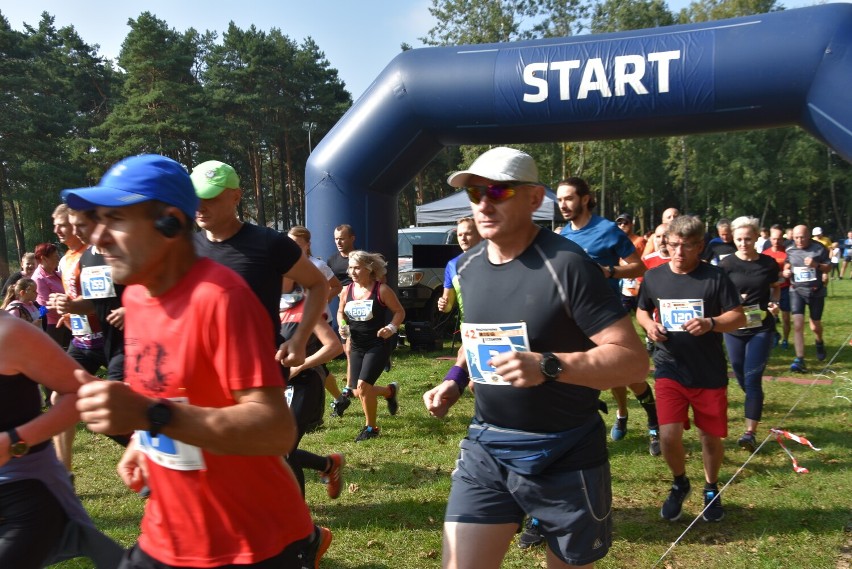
(778, 251)
(203, 392)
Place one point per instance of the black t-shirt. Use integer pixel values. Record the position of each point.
(754, 280)
(562, 296)
(715, 251)
(95, 273)
(262, 256)
(340, 267)
(692, 361)
(13, 278)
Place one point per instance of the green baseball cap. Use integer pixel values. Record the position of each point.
(211, 178)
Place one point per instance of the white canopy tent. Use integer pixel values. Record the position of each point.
(450, 209)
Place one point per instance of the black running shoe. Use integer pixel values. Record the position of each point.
(393, 404)
(713, 511)
(367, 433)
(531, 535)
(673, 506)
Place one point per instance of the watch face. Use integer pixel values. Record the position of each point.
(19, 448)
(551, 366)
(159, 414)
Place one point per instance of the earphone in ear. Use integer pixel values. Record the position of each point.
(168, 225)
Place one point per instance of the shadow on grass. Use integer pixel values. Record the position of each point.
(644, 525)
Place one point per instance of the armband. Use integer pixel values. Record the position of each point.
(459, 376)
(392, 328)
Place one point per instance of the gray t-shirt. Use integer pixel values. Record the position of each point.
(807, 281)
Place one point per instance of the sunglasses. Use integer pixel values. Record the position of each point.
(495, 193)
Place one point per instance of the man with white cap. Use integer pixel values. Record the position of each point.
(203, 392)
(544, 412)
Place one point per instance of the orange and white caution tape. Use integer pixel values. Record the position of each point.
(779, 434)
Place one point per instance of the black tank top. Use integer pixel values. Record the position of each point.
(20, 402)
(365, 318)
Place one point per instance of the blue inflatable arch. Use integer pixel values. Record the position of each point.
(783, 68)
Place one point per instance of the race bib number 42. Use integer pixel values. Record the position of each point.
(674, 313)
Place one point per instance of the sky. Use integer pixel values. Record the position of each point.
(359, 37)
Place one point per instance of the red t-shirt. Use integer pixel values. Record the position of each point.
(655, 260)
(203, 339)
(780, 258)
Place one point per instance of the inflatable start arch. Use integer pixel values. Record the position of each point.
(783, 68)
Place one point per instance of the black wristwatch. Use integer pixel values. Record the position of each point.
(17, 446)
(159, 415)
(551, 367)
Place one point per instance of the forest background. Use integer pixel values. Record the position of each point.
(260, 100)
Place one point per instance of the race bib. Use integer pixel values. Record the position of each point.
(754, 316)
(481, 342)
(359, 310)
(96, 282)
(804, 274)
(79, 325)
(168, 452)
(674, 313)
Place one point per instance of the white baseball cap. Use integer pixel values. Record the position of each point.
(500, 164)
(816, 231)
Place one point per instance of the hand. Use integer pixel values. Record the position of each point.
(809, 261)
(773, 308)
(698, 326)
(521, 369)
(385, 332)
(657, 333)
(442, 304)
(440, 398)
(133, 468)
(344, 332)
(110, 407)
(116, 318)
(58, 302)
(290, 355)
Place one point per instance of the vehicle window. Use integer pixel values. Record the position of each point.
(405, 241)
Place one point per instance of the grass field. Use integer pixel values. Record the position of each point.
(390, 514)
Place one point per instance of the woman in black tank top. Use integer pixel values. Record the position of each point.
(370, 315)
(38, 507)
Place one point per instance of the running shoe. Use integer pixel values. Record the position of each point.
(368, 433)
(333, 477)
(311, 556)
(673, 506)
(820, 350)
(798, 365)
(393, 404)
(619, 429)
(654, 442)
(747, 441)
(342, 403)
(531, 535)
(784, 344)
(713, 511)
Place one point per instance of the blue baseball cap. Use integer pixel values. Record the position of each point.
(135, 180)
